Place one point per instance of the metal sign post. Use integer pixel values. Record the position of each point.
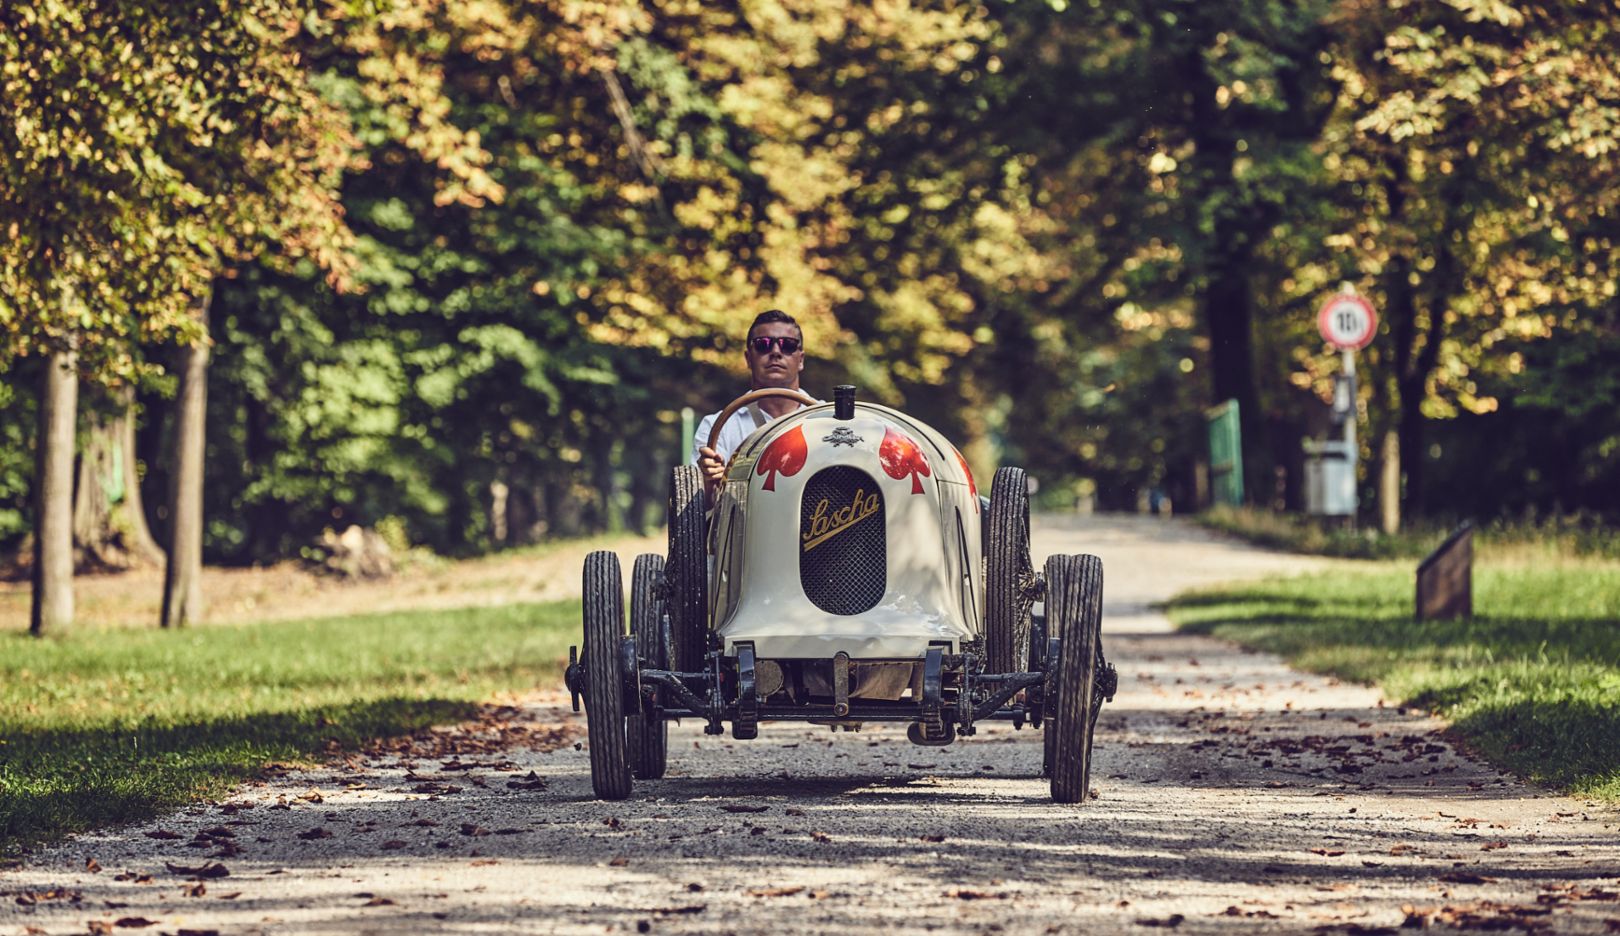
(1347, 322)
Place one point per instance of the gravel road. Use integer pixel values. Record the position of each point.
(1233, 795)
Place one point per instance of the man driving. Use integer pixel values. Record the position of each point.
(775, 355)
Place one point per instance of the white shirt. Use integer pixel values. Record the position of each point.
(737, 429)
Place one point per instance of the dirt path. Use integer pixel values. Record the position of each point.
(290, 591)
(1234, 795)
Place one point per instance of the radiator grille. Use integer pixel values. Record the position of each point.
(843, 556)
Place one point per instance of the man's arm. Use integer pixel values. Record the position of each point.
(700, 438)
(710, 462)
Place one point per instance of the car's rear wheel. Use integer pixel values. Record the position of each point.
(688, 569)
(604, 686)
(1049, 725)
(1074, 607)
(648, 734)
(1009, 573)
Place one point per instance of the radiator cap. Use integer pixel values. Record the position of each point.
(844, 401)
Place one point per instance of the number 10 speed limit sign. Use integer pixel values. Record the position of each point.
(1347, 322)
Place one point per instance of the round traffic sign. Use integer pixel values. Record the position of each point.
(1347, 322)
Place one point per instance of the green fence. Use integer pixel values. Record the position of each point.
(1225, 454)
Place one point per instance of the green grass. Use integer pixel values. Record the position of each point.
(1546, 538)
(116, 725)
(1532, 681)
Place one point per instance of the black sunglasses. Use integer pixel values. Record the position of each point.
(762, 345)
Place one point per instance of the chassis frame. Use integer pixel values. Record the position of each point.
(956, 692)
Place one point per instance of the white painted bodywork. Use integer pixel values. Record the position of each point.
(934, 585)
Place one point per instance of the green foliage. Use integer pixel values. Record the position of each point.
(16, 455)
(140, 152)
(465, 255)
(116, 726)
(1530, 681)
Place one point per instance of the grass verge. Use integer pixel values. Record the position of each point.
(1532, 681)
(1510, 540)
(116, 725)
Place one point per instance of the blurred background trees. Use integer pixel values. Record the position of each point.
(462, 263)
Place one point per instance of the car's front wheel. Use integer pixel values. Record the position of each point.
(688, 569)
(1074, 609)
(648, 734)
(1009, 575)
(604, 686)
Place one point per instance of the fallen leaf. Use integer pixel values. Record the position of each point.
(134, 923)
(92, 865)
(1465, 877)
(393, 844)
(210, 870)
(932, 838)
(743, 808)
(468, 828)
(195, 890)
(530, 782)
(164, 834)
(378, 902)
(1170, 922)
(30, 898)
(319, 832)
(775, 891)
(100, 928)
(1492, 846)
(1330, 853)
(965, 894)
(618, 862)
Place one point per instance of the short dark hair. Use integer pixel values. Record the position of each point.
(771, 316)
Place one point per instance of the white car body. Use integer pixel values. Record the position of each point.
(767, 539)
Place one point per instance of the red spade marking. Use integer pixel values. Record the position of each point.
(785, 454)
(901, 456)
(973, 489)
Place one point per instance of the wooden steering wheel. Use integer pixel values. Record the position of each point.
(750, 397)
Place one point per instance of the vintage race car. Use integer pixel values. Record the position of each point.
(849, 572)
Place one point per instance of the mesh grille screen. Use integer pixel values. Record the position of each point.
(842, 541)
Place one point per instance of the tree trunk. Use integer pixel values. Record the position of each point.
(182, 585)
(1389, 483)
(1228, 310)
(97, 488)
(109, 520)
(138, 539)
(52, 606)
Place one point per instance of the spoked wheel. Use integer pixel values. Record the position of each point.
(1074, 607)
(604, 687)
(1009, 573)
(648, 734)
(688, 570)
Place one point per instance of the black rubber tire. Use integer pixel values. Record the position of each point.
(604, 687)
(648, 737)
(1074, 589)
(1049, 726)
(1009, 573)
(688, 569)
